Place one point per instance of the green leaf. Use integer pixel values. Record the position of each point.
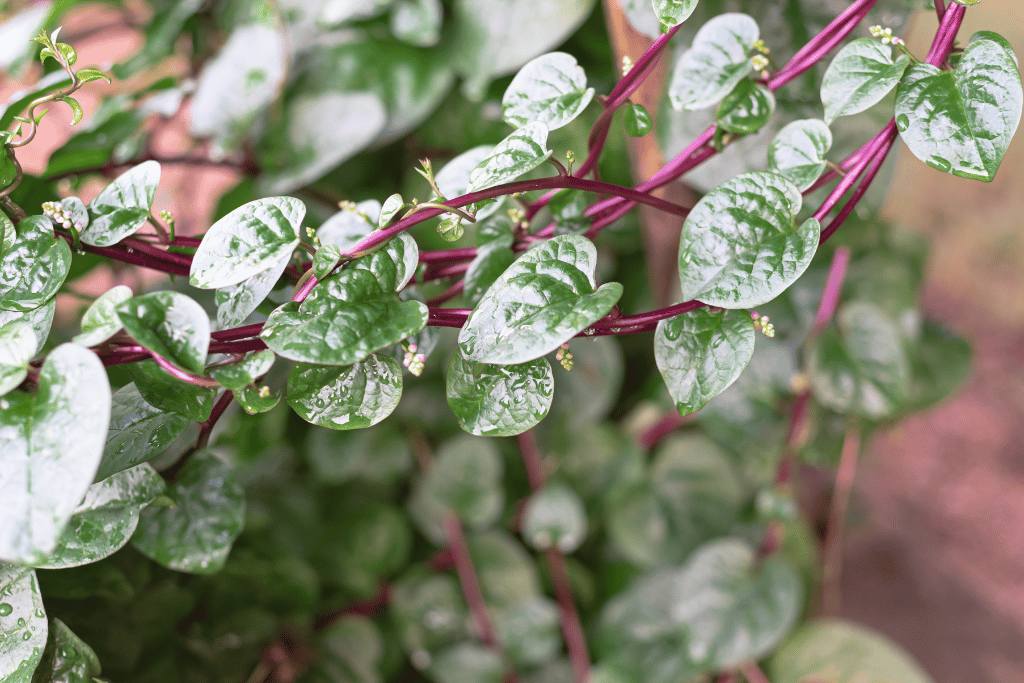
(349, 649)
(940, 362)
(138, 432)
(169, 394)
(161, 32)
(248, 241)
(488, 39)
(467, 662)
(746, 109)
(551, 89)
(76, 212)
(717, 60)
(34, 268)
(798, 152)
(394, 265)
(52, 446)
(465, 479)
(859, 77)
(529, 631)
(499, 400)
(39, 318)
(961, 122)
(66, 659)
(195, 535)
(380, 455)
(123, 206)
(492, 259)
(111, 136)
(450, 228)
(453, 178)
(720, 609)
(522, 151)
(842, 652)
(90, 75)
(242, 79)
(347, 397)
(862, 367)
(508, 574)
(345, 228)
(8, 233)
(554, 518)
(256, 400)
(342, 321)
(76, 109)
(391, 208)
(23, 625)
(170, 324)
(245, 372)
(106, 518)
(18, 344)
(740, 246)
(428, 611)
(540, 302)
(673, 12)
(236, 303)
(417, 22)
(639, 528)
(638, 120)
(699, 354)
(100, 321)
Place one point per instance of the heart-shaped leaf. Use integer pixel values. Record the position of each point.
(236, 303)
(699, 354)
(106, 518)
(52, 446)
(746, 109)
(138, 432)
(245, 372)
(100, 321)
(798, 151)
(519, 153)
(168, 393)
(170, 324)
(718, 59)
(66, 659)
(23, 626)
(542, 301)
(35, 266)
(859, 77)
(18, 343)
(251, 239)
(961, 122)
(453, 178)
(123, 206)
(673, 12)
(554, 517)
(394, 265)
(348, 397)
(342, 321)
(740, 246)
(196, 533)
(499, 400)
(40, 319)
(551, 89)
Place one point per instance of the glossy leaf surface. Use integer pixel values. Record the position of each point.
(67, 658)
(961, 122)
(522, 151)
(499, 400)
(34, 267)
(746, 109)
(23, 626)
(138, 431)
(235, 303)
(492, 259)
(52, 446)
(717, 60)
(123, 206)
(245, 372)
(169, 394)
(673, 12)
(798, 152)
(170, 324)
(740, 246)
(100, 321)
(551, 89)
(859, 77)
(346, 397)
(18, 344)
(699, 354)
(540, 302)
(195, 535)
(248, 241)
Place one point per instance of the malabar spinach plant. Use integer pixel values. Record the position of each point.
(433, 249)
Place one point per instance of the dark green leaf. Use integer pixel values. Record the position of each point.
(394, 265)
(123, 206)
(349, 649)
(100, 321)
(554, 518)
(255, 400)
(138, 432)
(859, 77)
(170, 324)
(236, 303)
(639, 528)
(522, 151)
(740, 245)
(346, 397)
(638, 120)
(106, 518)
(66, 659)
(248, 241)
(862, 367)
(23, 627)
(746, 109)
(342, 321)
(169, 394)
(245, 372)
(798, 152)
(508, 574)
(551, 89)
(961, 122)
(34, 268)
(161, 32)
(499, 400)
(540, 302)
(53, 444)
(429, 612)
(699, 354)
(195, 535)
(717, 60)
(842, 652)
(377, 455)
(940, 362)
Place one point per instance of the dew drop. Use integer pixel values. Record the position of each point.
(902, 122)
(21, 622)
(5, 609)
(26, 636)
(940, 163)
